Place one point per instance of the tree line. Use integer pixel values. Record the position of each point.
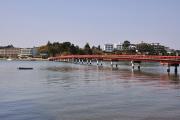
(67, 48)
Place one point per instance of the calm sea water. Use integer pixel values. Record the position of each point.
(64, 91)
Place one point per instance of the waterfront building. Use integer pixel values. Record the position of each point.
(9, 52)
(157, 46)
(28, 52)
(108, 47)
(119, 47)
(169, 51)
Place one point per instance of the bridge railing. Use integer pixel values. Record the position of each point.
(120, 57)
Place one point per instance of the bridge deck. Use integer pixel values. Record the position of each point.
(141, 58)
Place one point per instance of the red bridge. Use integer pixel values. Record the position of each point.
(142, 58)
(167, 60)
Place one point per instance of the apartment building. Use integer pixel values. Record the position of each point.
(9, 52)
(108, 47)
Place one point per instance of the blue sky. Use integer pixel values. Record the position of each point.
(27, 23)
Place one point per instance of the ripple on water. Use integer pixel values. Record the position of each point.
(58, 91)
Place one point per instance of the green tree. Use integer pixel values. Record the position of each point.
(96, 50)
(50, 49)
(126, 45)
(73, 49)
(56, 48)
(99, 47)
(87, 49)
(145, 48)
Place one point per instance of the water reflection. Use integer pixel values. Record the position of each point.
(57, 91)
(94, 73)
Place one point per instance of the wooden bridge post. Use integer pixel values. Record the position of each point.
(132, 64)
(116, 65)
(97, 62)
(139, 67)
(168, 69)
(75, 61)
(79, 61)
(111, 63)
(71, 60)
(90, 62)
(176, 68)
(101, 63)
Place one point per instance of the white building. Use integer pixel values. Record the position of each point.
(169, 51)
(108, 47)
(119, 47)
(28, 52)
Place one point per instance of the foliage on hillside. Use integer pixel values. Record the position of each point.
(67, 48)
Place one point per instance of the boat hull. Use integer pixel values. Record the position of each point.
(25, 68)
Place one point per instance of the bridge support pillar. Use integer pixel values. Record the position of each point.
(75, 61)
(132, 64)
(87, 61)
(175, 67)
(90, 62)
(97, 62)
(139, 66)
(111, 63)
(101, 63)
(168, 69)
(176, 70)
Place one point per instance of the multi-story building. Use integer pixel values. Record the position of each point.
(156, 46)
(28, 52)
(12, 52)
(169, 51)
(108, 47)
(119, 47)
(130, 47)
(9, 52)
